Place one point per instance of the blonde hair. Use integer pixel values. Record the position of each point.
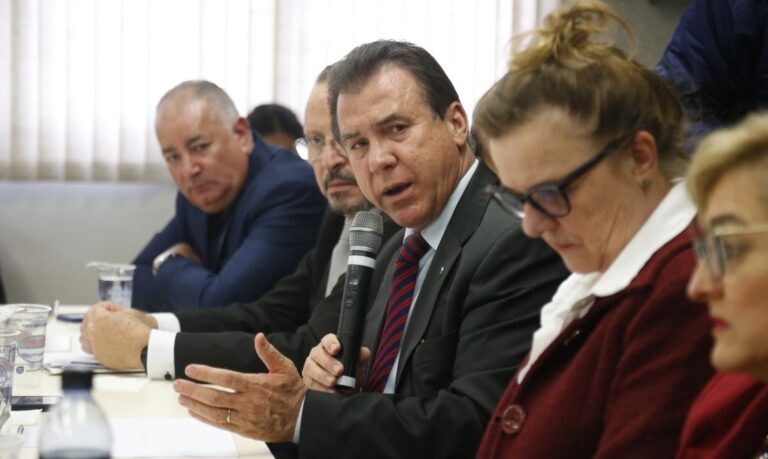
(595, 82)
(742, 145)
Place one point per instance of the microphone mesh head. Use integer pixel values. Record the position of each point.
(366, 231)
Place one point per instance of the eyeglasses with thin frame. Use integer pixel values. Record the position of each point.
(312, 148)
(711, 248)
(550, 199)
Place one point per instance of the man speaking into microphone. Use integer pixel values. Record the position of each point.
(364, 243)
(455, 297)
(165, 343)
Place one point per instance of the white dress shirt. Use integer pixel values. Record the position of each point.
(433, 234)
(339, 257)
(161, 363)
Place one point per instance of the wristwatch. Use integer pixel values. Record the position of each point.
(160, 259)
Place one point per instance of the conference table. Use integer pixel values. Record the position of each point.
(126, 399)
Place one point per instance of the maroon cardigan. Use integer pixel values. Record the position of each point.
(728, 420)
(618, 382)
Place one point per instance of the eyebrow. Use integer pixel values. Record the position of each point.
(378, 124)
(311, 132)
(193, 140)
(390, 118)
(350, 135)
(188, 143)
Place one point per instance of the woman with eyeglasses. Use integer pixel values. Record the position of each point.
(587, 144)
(728, 180)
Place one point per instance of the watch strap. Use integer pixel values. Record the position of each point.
(160, 260)
(143, 357)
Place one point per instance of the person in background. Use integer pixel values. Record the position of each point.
(167, 343)
(587, 144)
(717, 60)
(276, 124)
(453, 298)
(245, 214)
(727, 179)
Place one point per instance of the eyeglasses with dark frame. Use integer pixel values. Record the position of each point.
(710, 246)
(550, 198)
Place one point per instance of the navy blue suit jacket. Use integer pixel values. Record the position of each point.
(261, 238)
(717, 60)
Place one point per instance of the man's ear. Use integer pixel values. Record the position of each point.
(457, 122)
(241, 126)
(243, 132)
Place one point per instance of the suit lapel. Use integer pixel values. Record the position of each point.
(328, 237)
(466, 217)
(199, 222)
(464, 221)
(421, 311)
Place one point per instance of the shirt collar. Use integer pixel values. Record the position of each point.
(433, 232)
(669, 219)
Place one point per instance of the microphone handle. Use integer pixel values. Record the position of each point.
(351, 320)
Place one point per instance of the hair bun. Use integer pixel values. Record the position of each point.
(568, 36)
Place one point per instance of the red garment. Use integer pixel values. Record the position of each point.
(729, 419)
(618, 382)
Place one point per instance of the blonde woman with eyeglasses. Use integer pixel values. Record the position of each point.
(587, 146)
(728, 180)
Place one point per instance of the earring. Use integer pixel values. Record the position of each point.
(645, 184)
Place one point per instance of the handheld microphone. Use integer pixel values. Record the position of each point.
(365, 235)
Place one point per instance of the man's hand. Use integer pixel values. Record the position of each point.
(322, 369)
(115, 335)
(85, 338)
(260, 406)
(185, 250)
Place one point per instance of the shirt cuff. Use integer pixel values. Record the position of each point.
(297, 429)
(167, 321)
(160, 355)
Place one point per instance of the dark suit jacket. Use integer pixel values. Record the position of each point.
(259, 240)
(470, 327)
(223, 337)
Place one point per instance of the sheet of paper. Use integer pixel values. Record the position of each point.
(22, 418)
(125, 383)
(56, 362)
(59, 360)
(58, 343)
(169, 437)
(160, 437)
(30, 436)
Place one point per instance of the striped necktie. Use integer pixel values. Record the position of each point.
(398, 305)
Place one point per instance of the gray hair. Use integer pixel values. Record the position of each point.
(222, 107)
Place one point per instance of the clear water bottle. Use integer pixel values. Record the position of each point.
(76, 427)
